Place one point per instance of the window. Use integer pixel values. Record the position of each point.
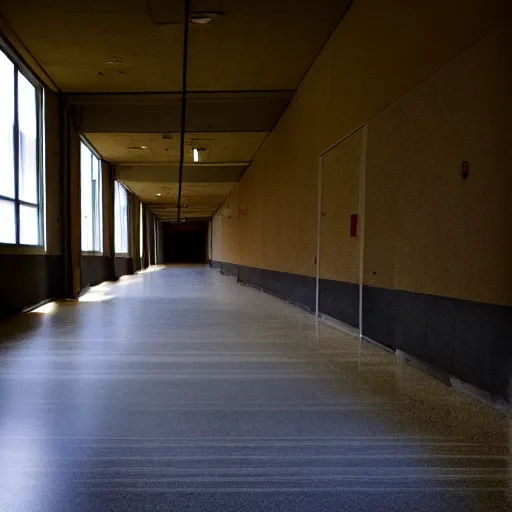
(141, 234)
(21, 130)
(121, 218)
(155, 259)
(91, 203)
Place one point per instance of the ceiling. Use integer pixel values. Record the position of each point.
(136, 45)
(242, 70)
(216, 147)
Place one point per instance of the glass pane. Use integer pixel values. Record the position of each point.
(86, 198)
(6, 126)
(29, 225)
(8, 222)
(27, 117)
(117, 219)
(121, 219)
(124, 219)
(141, 233)
(97, 205)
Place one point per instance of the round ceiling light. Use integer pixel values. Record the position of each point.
(202, 18)
(114, 61)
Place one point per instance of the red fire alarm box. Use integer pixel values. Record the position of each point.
(353, 224)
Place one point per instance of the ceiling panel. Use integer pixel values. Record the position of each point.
(198, 199)
(239, 111)
(217, 147)
(99, 46)
(256, 50)
(242, 70)
(170, 173)
(202, 192)
(121, 45)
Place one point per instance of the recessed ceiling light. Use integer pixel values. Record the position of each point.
(159, 194)
(202, 18)
(114, 61)
(143, 147)
(196, 153)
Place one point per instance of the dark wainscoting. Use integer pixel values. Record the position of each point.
(96, 269)
(123, 266)
(469, 340)
(339, 300)
(27, 279)
(297, 289)
(300, 290)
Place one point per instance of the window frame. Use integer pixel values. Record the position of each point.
(20, 67)
(119, 185)
(101, 237)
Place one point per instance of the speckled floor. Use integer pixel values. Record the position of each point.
(180, 390)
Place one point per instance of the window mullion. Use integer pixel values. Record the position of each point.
(40, 167)
(93, 211)
(16, 140)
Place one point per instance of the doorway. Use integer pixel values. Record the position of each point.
(340, 229)
(185, 243)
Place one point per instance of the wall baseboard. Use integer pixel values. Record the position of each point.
(452, 338)
(29, 279)
(377, 344)
(463, 387)
(353, 331)
(123, 266)
(95, 268)
(469, 340)
(482, 396)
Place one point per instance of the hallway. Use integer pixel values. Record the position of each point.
(181, 390)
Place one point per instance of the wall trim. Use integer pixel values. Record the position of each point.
(454, 340)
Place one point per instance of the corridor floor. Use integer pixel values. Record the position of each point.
(181, 390)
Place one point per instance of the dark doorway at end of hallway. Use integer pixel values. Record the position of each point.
(185, 243)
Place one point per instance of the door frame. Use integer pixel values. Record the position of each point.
(361, 217)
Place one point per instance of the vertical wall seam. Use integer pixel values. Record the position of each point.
(362, 206)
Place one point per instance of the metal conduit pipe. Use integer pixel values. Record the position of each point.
(186, 20)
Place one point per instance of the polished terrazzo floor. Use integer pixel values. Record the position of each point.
(181, 390)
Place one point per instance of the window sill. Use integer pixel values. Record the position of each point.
(92, 253)
(122, 255)
(21, 249)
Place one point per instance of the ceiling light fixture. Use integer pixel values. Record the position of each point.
(143, 147)
(114, 61)
(202, 18)
(159, 194)
(195, 152)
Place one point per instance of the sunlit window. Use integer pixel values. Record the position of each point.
(121, 218)
(91, 203)
(141, 233)
(20, 156)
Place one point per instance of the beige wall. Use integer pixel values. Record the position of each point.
(107, 187)
(429, 79)
(340, 177)
(443, 235)
(53, 185)
(226, 243)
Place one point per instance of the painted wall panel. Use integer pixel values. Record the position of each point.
(383, 53)
(427, 229)
(339, 251)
